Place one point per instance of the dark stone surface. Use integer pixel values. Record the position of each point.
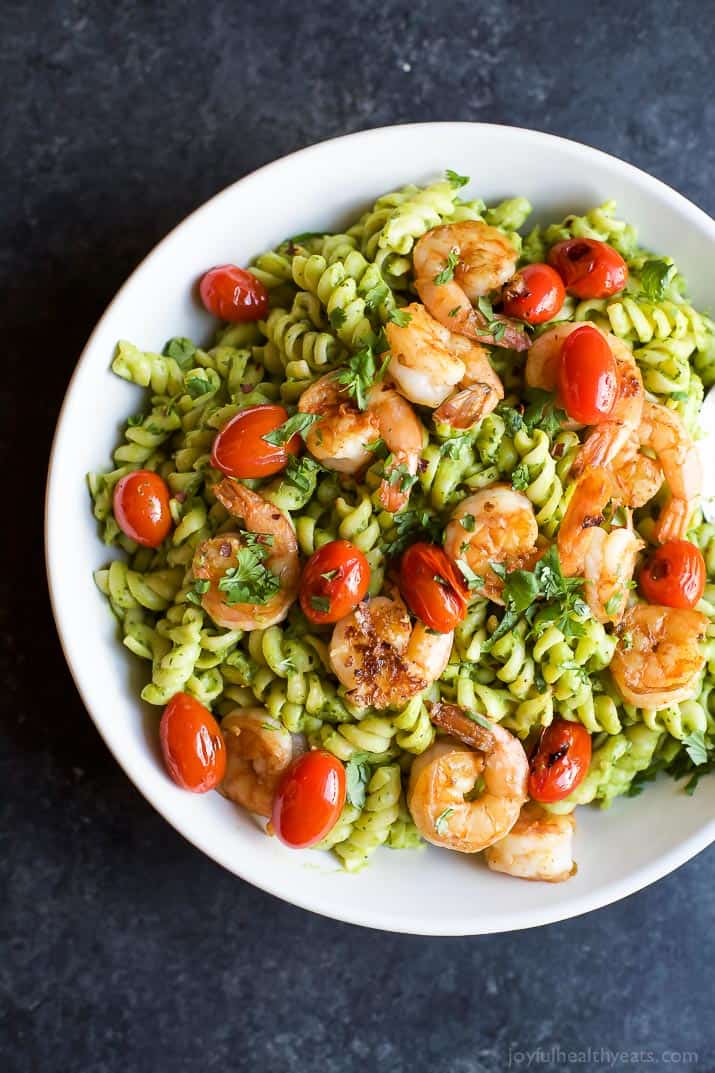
(123, 948)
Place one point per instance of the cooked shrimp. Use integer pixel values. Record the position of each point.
(482, 259)
(427, 362)
(341, 439)
(539, 846)
(258, 750)
(502, 529)
(638, 477)
(214, 557)
(663, 431)
(382, 658)
(611, 435)
(466, 796)
(659, 657)
(606, 560)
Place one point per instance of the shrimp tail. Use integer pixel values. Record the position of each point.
(471, 322)
(455, 721)
(673, 521)
(463, 410)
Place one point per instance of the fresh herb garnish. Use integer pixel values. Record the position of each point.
(297, 423)
(696, 748)
(440, 824)
(453, 312)
(137, 419)
(250, 581)
(182, 350)
(455, 179)
(450, 264)
(197, 386)
(613, 603)
(542, 412)
(330, 575)
(399, 317)
(337, 318)
(320, 603)
(399, 476)
(357, 777)
(376, 445)
(301, 472)
(198, 589)
(477, 790)
(513, 421)
(452, 448)
(655, 275)
(468, 521)
(376, 295)
(360, 374)
(473, 580)
(413, 525)
(496, 328)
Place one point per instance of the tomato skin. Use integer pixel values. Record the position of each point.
(309, 799)
(534, 294)
(441, 605)
(560, 761)
(192, 744)
(674, 575)
(344, 591)
(231, 293)
(588, 380)
(589, 268)
(141, 507)
(239, 450)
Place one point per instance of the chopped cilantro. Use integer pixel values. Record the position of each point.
(399, 317)
(452, 448)
(376, 295)
(468, 521)
(376, 445)
(329, 575)
(450, 264)
(655, 276)
(182, 351)
(301, 472)
(440, 824)
(399, 475)
(477, 790)
(542, 412)
(337, 318)
(360, 374)
(513, 421)
(453, 312)
(137, 419)
(696, 748)
(474, 581)
(357, 777)
(250, 581)
(455, 179)
(198, 589)
(495, 327)
(197, 386)
(320, 603)
(613, 603)
(410, 526)
(297, 423)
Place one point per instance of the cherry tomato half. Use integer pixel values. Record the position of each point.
(141, 507)
(432, 588)
(334, 581)
(192, 744)
(535, 294)
(560, 761)
(588, 381)
(309, 799)
(589, 268)
(240, 449)
(232, 293)
(674, 575)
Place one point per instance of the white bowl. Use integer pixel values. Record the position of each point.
(432, 892)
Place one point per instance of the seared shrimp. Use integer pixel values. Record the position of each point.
(427, 362)
(606, 560)
(258, 750)
(539, 846)
(611, 435)
(472, 259)
(341, 439)
(659, 657)
(466, 796)
(496, 525)
(663, 431)
(276, 544)
(382, 658)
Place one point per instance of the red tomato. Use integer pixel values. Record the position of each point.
(234, 294)
(560, 761)
(309, 799)
(674, 575)
(192, 744)
(240, 450)
(588, 381)
(334, 581)
(589, 268)
(432, 588)
(141, 507)
(535, 294)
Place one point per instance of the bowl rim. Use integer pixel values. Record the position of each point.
(411, 922)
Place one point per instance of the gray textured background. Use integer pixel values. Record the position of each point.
(122, 948)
